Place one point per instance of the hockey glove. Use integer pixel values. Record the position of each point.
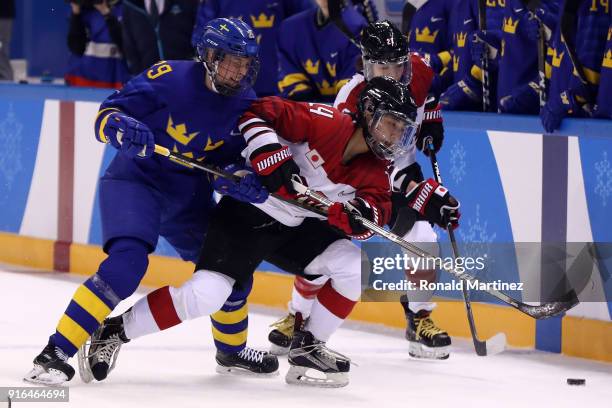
(463, 95)
(556, 109)
(248, 189)
(434, 203)
(338, 215)
(431, 127)
(275, 166)
(522, 100)
(130, 136)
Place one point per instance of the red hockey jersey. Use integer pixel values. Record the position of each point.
(317, 136)
(422, 77)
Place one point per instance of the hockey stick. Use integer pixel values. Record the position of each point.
(537, 312)
(335, 15)
(482, 26)
(408, 13)
(192, 164)
(532, 6)
(497, 343)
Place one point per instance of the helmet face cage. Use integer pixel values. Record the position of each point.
(228, 49)
(390, 133)
(399, 69)
(230, 74)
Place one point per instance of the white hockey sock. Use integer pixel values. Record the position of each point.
(163, 308)
(304, 293)
(328, 312)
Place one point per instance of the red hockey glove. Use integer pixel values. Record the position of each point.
(434, 202)
(338, 216)
(274, 164)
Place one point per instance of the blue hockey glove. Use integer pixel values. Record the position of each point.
(463, 95)
(249, 189)
(556, 109)
(522, 100)
(130, 136)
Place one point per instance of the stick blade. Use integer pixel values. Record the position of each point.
(492, 346)
(496, 344)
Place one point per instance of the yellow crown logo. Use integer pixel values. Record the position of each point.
(461, 39)
(426, 36)
(263, 21)
(312, 68)
(455, 63)
(556, 59)
(179, 132)
(327, 89)
(331, 68)
(607, 62)
(510, 25)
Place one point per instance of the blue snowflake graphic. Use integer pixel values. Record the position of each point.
(603, 187)
(10, 140)
(458, 162)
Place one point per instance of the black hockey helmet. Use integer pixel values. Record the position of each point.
(385, 51)
(388, 114)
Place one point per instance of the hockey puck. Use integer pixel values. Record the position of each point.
(576, 381)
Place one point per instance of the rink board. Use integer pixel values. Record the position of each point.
(509, 176)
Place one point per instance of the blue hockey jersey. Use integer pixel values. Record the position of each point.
(463, 21)
(588, 35)
(604, 96)
(265, 17)
(429, 30)
(185, 116)
(315, 62)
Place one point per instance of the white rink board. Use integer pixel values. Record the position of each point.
(176, 368)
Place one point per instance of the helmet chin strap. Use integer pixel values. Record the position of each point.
(211, 73)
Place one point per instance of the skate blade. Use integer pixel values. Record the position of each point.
(38, 375)
(83, 363)
(239, 371)
(418, 350)
(300, 376)
(278, 350)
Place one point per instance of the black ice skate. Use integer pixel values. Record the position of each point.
(281, 336)
(312, 363)
(98, 357)
(50, 367)
(247, 362)
(426, 339)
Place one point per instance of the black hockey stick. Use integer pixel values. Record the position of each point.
(538, 312)
(497, 343)
(335, 15)
(192, 164)
(532, 6)
(482, 26)
(543, 311)
(408, 13)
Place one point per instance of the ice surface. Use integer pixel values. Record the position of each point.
(176, 368)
